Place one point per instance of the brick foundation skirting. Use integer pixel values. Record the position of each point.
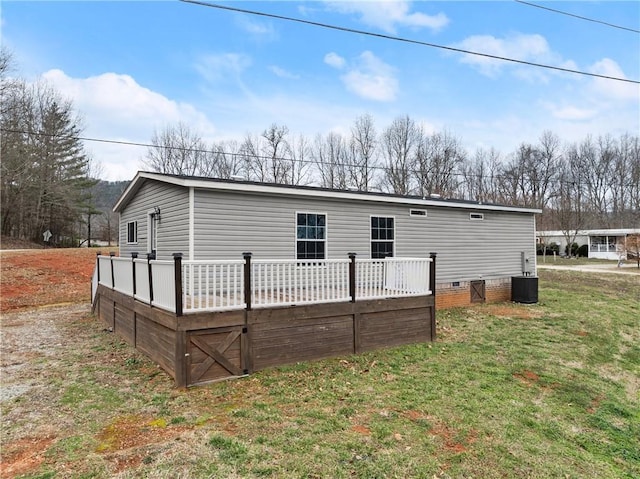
(449, 296)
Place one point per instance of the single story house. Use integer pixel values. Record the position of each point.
(602, 243)
(479, 246)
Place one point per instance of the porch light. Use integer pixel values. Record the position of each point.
(156, 213)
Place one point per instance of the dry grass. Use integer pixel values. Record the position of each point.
(545, 390)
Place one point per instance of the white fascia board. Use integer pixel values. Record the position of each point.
(313, 193)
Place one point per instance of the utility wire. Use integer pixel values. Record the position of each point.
(259, 157)
(405, 40)
(578, 16)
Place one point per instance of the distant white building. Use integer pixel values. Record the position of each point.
(603, 244)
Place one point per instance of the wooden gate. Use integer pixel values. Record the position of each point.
(477, 289)
(216, 354)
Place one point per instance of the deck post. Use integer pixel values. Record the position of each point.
(98, 254)
(432, 287)
(432, 273)
(247, 279)
(134, 255)
(352, 277)
(177, 261)
(150, 256)
(113, 279)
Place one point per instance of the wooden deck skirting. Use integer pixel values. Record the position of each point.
(209, 346)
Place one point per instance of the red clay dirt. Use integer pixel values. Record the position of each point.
(24, 456)
(32, 278)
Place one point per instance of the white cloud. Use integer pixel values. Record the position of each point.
(368, 76)
(388, 15)
(116, 107)
(334, 60)
(282, 73)
(260, 30)
(570, 112)
(518, 46)
(612, 89)
(219, 67)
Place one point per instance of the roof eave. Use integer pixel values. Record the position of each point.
(243, 186)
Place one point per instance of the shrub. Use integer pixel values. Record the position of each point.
(574, 249)
(583, 251)
(550, 249)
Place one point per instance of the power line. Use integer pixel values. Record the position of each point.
(259, 157)
(578, 16)
(405, 40)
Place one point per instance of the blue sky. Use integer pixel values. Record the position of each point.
(132, 67)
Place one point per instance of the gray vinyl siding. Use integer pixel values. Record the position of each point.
(173, 229)
(229, 223)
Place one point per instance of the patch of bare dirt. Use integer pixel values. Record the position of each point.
(452, 440)
(360, 429)
(526, 377)
(24, 456)
(513, 311)
(133, 432)
(45, 277)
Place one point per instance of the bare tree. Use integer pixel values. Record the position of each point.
(542, 170)
(300, 161)
(480, 176)
(178, 150)
(399, 146)
(275, 150)
(438, 159)
(625, 181)
(255, 165)
(329, 154)
(363, 158)
(227, 161)
(633, 178)
(268, 157)
(568, 200)
(596, 165)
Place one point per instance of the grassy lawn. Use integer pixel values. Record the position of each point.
(508, 391)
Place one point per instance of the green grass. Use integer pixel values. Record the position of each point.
(508, 391)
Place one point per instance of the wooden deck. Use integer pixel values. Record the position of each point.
(203, 347)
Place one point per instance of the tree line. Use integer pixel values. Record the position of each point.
(593, 183)
(49, 182)
(46, 176)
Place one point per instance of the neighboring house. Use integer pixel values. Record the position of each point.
(480, 246)
(602, 243)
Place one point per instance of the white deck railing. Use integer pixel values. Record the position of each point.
(213, 285)
(220, 285)
(288, 282)
(392, 277)
(117, 273)
(122, 275)
(143, 286)
(164, 286)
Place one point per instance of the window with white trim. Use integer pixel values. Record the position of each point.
(311, 235)
(132, 232)
(382, 236)
(476, 216)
